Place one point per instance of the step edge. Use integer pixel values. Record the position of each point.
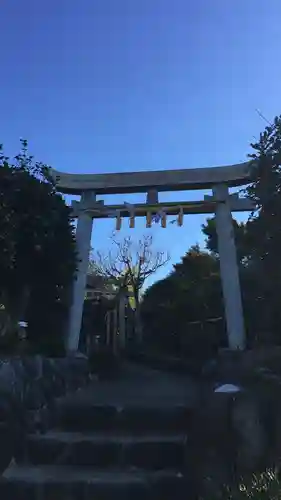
(65, 437)
(69, 474)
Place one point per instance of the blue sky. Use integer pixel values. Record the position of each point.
(123, 85)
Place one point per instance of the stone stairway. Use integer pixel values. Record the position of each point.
(105, 452)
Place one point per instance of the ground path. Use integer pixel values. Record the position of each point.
(139, 385)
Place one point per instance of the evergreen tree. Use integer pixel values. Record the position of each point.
(37, 251)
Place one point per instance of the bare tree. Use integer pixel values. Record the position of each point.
(130, 264)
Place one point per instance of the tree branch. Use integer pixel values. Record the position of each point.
(130, 265)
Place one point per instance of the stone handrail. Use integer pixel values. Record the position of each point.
(30, 387)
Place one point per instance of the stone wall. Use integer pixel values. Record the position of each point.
(30, 390)
(236, 435)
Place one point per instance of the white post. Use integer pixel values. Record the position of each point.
(122, 320)
(115, 330)
(108, 326)
(83, 242)
(229, 269)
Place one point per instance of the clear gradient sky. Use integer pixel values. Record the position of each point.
(123, 85)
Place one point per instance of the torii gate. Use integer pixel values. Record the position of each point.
(219, 179)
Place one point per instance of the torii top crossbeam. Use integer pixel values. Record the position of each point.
(161, 180)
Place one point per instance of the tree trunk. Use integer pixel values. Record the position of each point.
(139, 330)
(122, 320)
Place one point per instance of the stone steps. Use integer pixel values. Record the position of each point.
(146, 451)
(73, 483)
(104, 452)
(129, 418)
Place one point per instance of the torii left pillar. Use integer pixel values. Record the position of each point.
(83, 243)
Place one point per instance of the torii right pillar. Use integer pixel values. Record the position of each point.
(229, 269)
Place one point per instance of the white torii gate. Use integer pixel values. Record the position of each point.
(219, 179)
